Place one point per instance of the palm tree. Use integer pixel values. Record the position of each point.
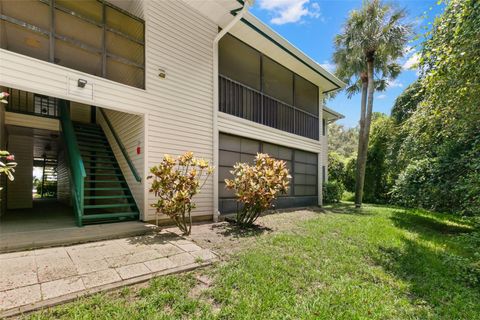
(373, 38)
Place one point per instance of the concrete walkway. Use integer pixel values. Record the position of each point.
(39, 278)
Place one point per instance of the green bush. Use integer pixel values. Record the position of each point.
(333, 191)
(348, 196)
(349, 178)
(336, 166)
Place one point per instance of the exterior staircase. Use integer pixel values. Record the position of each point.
(106, 195)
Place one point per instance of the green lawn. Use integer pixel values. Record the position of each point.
(377, 263)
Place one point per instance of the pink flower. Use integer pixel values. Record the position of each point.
(10, 157)
(5, 94)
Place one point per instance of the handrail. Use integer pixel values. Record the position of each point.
(122, 147)
(77, 169)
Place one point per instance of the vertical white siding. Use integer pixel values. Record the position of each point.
(130, 130)
(19, 191)
(63, 179)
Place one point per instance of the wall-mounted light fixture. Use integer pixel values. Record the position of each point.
(81, 83)
(161, 73)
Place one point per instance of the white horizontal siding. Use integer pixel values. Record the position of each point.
(241, 127)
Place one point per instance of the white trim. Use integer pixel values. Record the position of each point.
(146, 169)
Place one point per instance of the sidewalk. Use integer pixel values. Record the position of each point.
(39, 278)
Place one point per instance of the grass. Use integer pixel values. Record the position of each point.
(375, 263)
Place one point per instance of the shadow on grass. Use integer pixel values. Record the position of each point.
(232, 230)
(347, 208)
(422, 223)
(440, 274)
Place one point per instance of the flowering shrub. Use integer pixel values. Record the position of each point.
(7, 164)
(175, 182)
(3, 96)
(256, 186)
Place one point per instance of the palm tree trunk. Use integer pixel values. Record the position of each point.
(361, 145)
(362, 158)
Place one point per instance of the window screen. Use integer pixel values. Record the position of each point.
(239, 62)
(77, 29)
(277, 81)
(302, 166)
(306, 95)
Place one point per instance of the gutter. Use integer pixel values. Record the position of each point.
(238, 13)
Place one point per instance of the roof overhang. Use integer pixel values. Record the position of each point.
(261, 37)
(331, 115)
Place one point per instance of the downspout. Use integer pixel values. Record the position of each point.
(224, 31)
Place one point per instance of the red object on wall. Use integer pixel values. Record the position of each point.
(139, 150)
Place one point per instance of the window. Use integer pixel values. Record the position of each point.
(90, 36)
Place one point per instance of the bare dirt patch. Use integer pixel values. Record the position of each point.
(225, 238)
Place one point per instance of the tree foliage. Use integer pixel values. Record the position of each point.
(442, 136)
(377, 175)
(342, 141)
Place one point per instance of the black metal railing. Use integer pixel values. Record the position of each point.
(247, 103)
(31, 103)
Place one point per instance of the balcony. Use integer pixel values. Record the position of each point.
(247, 103)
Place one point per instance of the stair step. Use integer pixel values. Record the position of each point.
(132, 214)
(107, 206)
(98, 156)
(102, 168)
(93, 142)
(99, 161)
(108, 197)
(104, 189)
(88, 134)
(104, 174)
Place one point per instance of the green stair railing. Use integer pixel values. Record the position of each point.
(121, 146)
(77, 169)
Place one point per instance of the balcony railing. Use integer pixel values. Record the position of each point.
(247, 103)
(33, 104)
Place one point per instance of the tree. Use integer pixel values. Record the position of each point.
(440, 152)
(407, 102)
(372, 39)
(341, 140)
(377, 175)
